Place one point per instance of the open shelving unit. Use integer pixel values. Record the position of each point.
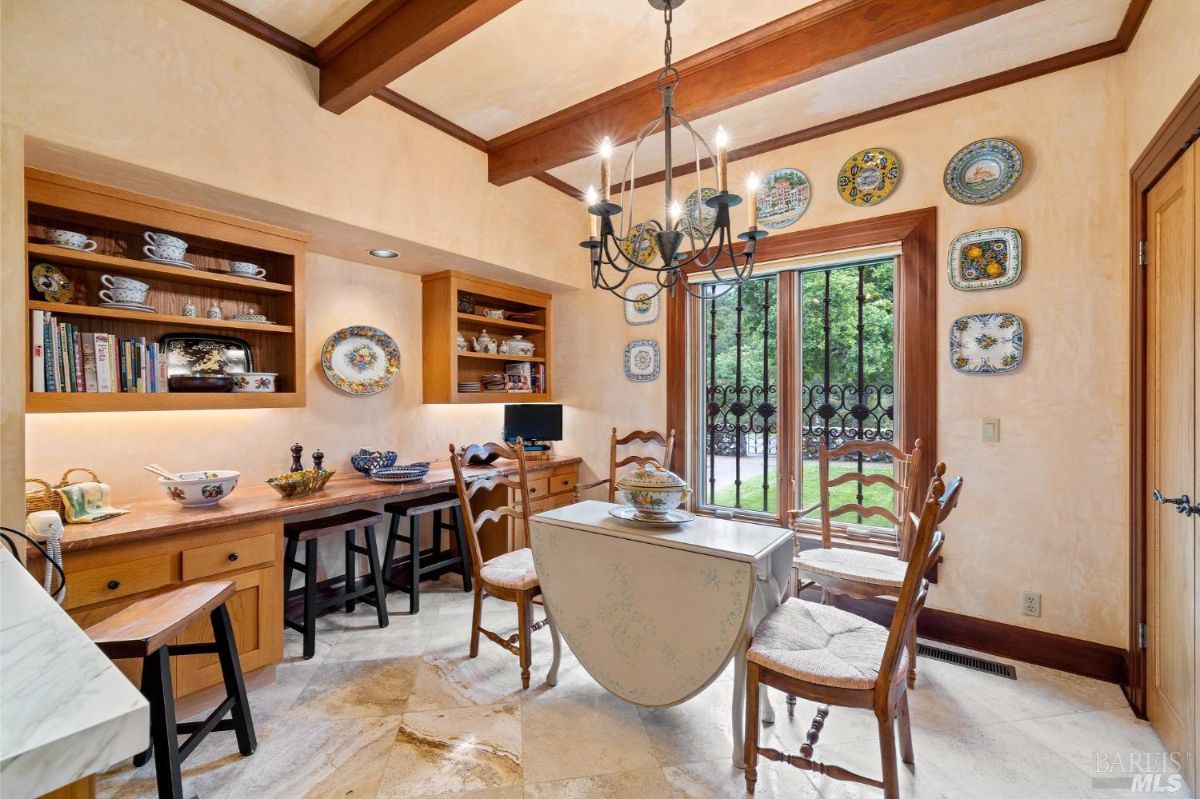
(445, 295)
(116, 220)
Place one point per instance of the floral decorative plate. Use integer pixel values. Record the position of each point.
(51, 283)
(983, 171)
(783, 198)
(643, 360)
(989, 343)
(698, 218)
(361, 359)
(869, 177)
(985, 259)
(641, 303)
(640, 245)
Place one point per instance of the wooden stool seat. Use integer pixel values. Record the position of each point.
(329, 525)
(439, 561)
(415, 507)
(148, 624)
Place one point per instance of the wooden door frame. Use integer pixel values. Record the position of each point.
(1168, 144)
(916, 333)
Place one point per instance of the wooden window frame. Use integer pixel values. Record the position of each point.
(917, 274)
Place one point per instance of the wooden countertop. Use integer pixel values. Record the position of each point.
(253, 501)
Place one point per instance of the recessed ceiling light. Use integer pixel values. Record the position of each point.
(384, 253)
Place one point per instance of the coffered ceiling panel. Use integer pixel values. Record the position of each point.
(308, 20)
(544, 55)
(1039, 31)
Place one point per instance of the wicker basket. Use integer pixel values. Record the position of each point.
(298, 484)
(44, 497)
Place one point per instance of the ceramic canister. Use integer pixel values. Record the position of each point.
(652, 490)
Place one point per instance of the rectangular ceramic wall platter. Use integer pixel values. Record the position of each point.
(641, 303)
(643, 360)
(985, 259)
(990, 343)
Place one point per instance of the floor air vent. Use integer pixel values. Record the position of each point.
(967, 661)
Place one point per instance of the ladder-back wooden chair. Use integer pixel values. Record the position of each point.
(854, 572)
(836, 658)
(638, 436)
(509, 576)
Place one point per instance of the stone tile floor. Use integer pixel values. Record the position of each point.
(402, 712)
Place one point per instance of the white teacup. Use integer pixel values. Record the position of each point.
(69, 238)
(164, 246)
(119, 282)
(127, 296)
(246, 269)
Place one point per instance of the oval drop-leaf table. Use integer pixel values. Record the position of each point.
(654, 614)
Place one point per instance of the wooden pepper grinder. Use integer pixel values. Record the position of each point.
(318, 459)
(297, 451)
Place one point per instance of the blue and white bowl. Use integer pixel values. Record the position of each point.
(401, 474)
(367, 460)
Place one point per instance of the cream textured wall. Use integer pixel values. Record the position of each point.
(1045, 508)
(1162, 62)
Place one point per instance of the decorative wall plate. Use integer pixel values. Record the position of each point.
(642, 303)
(51, 283)
(640, 245)
(360, 359)
(783, 198)
(643, 360)
(869, 176)
(989, 343)
(190, 354)
(983, 171)
(698, 218)
(985, 259)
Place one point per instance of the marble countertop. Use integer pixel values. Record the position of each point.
(67, 711)
(252, 501)
(723, 537)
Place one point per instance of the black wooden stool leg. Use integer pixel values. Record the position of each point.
(389, 551)
(310, 598)
(414, 547)
(231, 671)
(289, 566)
(164, 739)
(351, 579)
(463, 552)
(437, 536)
(376, 575)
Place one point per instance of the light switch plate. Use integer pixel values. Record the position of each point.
(991, 430)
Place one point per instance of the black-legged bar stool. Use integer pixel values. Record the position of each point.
(309, 532)
(414, 509)
(142, 630)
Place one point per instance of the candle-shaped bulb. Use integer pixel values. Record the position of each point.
(593, 197)
(752, 185)
(722, 159)
(606, 150)
(674, 211)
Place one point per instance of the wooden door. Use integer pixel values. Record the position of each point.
(1172, 448)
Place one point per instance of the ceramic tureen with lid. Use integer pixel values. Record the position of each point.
(652, 490)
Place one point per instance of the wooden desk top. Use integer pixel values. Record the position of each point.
(254, 501)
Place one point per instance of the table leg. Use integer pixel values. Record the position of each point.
(739, 702)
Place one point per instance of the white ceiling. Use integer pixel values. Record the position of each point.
(307, 20)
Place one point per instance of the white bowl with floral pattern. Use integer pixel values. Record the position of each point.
(254, 382)
(653, 491)
(201, 489)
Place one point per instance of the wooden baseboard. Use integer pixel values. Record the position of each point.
(1073, 655)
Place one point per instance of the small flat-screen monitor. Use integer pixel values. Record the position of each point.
(534, 422)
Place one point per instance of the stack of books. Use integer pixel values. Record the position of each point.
(66, 359)
(519, 378)
(493, 382)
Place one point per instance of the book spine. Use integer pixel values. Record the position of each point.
(89, 363)
(64, 358)
(114, 361)
(52, 383)
(77, 355)
(143, 385)
(163, 381)
(103, 368)
(37, 368)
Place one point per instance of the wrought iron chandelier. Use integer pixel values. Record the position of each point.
(704, 223)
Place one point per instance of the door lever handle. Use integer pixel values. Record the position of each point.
(1182, 504)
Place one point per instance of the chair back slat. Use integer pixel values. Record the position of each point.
(865, 510)
(905, 465)
(866, 480)
(639, 460)
(467, 487)
(640, 437)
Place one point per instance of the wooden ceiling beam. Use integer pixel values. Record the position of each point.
(826, 37)
(390, 37)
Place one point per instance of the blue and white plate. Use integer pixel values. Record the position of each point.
(643, 360)
(983, 171)
(990, 343)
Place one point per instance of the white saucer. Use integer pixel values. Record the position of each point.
(184, 264)
(248, 277)
(672, 519)
(130, 306)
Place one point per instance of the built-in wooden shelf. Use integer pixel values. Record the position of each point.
(499, 396)
(90, 402)
(487, 321)
(509, 358)
(146, 269)
(194, 322)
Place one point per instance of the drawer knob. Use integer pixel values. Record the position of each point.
(113, 585)
(233, 556)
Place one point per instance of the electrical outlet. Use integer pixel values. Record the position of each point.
(991, 430)
(1031, 603)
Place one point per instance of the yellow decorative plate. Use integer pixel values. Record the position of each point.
(640, 245)
(51, 283)
(869, 177)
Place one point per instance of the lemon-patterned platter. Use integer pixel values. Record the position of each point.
(51, 283)
(989, 343)
(985, 259)
(869, 176)
(640, 245)
(360, 359)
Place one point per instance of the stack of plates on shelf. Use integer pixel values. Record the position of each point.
(130, 306)
(493, 382)
(469, 386)
(401, 474)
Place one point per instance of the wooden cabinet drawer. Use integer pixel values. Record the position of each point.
(92, 586)
(560, 483)
(228, 556)
(539, 505)
(539, 487)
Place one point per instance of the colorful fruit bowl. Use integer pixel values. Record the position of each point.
(298, 484)
(200, 489)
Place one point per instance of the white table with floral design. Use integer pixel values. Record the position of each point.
(654, 614)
